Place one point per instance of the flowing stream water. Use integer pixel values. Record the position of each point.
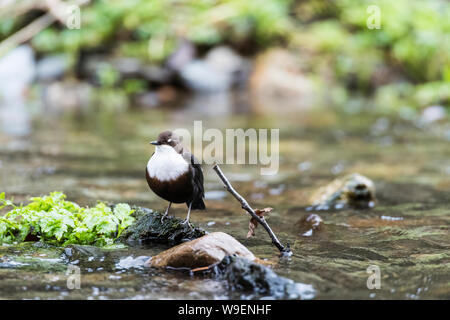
(102, 156)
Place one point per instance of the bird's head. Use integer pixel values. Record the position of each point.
(167, 138)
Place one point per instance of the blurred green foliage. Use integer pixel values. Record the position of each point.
(406, 61)
(150, 28)
(408, 57)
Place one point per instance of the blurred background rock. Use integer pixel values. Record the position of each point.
(146, 53)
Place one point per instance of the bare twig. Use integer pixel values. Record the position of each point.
(56, 11)
(26, 33)
(283, 249)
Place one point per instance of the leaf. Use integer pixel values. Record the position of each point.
(253, 224)
(122, 211)
(57, 220)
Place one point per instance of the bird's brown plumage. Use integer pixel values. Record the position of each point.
(186, 188)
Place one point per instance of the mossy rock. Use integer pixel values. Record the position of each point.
(353, 190)
(257, 280)
(149, 227)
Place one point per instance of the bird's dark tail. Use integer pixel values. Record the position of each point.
(198, 204)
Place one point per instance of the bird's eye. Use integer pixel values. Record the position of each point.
(169, 141)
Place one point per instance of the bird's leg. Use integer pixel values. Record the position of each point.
(187, 218)
(167, 212)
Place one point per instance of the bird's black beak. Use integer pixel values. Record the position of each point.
(155, 143)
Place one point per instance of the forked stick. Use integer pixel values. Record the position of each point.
(285, 250)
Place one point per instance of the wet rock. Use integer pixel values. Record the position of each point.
(8, 263)
(432, 114)
(351, 190)
(198, 75)
(201, 252)
(90, 258)
(225, 59)
(310, 224)
(218, 71)
(278, 74)
(150, 228)
(183, 54)
(52, 67)
(34, 256)
(130, 262)
(75, 252)
(257, 280)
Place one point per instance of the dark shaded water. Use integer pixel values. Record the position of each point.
(102, 156)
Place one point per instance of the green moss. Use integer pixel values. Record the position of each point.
(53, 219)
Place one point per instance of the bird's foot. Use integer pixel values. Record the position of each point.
(186, 221)
(163, 217)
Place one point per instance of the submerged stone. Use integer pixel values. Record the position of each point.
(310, 224)
(257, 280)
(353, 190)
(76, 252)
(202, 252)
(150, 227)
(130, 262)
(31, 256)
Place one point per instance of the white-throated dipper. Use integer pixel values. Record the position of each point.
(174, 174)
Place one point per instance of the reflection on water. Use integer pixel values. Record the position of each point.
(14, 118)
(16, 74)
(103, 156)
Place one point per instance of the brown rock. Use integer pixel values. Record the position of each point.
(278, 74)
(353, 190)
(201, 252)
(309, 224)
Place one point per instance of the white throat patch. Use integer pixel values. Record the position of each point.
(166, 164)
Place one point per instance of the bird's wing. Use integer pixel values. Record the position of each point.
(197, 173)
(197, 176)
